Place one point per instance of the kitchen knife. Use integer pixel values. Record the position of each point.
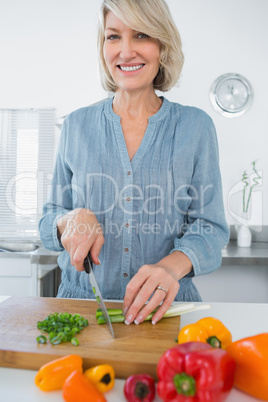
(97, 293)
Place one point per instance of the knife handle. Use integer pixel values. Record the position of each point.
(86, 262)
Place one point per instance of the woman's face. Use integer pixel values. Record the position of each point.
(132, 57)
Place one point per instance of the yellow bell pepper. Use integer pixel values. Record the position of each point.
(51, 376)
(103, 376)
(210, 330)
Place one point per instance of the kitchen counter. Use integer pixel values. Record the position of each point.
(243, 319)
(27, 273)
(40, 256)
(257, 254)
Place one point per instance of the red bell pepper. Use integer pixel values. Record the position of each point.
(139, 387)
(195, 372)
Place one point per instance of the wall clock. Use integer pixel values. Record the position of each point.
(231, 95)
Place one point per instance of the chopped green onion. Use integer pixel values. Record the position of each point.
(61, 327)
(98, 299)
(113, 318)
(41, 339)
(173, 311)
(74, 341)
(111, 311)
(55, 341)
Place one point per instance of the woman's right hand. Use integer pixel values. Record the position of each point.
(80, 232)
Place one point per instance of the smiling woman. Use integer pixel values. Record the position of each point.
(137, 181)
(148, 20)
(131, 57)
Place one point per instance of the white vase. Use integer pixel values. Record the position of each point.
(244, 236)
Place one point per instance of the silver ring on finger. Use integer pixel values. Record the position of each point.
(161, 288)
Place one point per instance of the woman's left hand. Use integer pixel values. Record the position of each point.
(141, 287)
(161, 281)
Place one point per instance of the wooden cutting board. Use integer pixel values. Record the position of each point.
(135, 349)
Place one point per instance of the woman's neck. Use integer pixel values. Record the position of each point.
(136, 105)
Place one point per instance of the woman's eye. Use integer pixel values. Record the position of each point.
(112, 37)
(142, 36)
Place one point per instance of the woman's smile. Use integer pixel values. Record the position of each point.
(130, 68)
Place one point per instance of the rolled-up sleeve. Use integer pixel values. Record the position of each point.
(206, 231)
(60, 198)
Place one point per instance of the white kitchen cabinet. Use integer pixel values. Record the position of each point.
(235, 283)
(20, 277)
(242, 277)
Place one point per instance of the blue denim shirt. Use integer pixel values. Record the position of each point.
(169, 197)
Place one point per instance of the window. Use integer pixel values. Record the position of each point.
(26, 165)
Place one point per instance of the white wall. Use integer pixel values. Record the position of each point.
(48, 58)
(220, 37)
(48, 54)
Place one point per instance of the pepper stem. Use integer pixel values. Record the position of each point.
(214, 342)
(141, 390)
(184, 384)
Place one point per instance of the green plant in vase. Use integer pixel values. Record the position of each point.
(246, 181)
(244, 233)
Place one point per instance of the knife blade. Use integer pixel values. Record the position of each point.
(97, 293)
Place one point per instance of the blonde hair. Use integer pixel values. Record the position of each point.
(153, 18)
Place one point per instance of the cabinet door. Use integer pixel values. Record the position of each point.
(16, 277)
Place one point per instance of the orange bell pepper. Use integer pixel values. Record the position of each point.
(102, 376)
(210, 330)
(52, 375)
(251, 357)
(77, 388)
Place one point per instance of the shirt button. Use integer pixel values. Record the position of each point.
(128, 198)
(127, 225)
(126, 250)
(129, 173)
(125, 275)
